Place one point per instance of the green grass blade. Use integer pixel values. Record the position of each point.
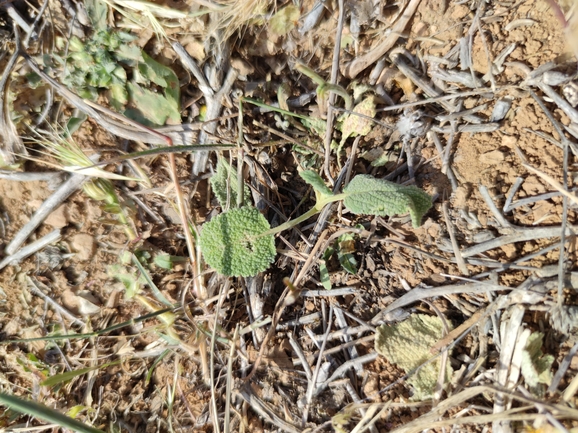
(69, 375)
(152, 369)
(276, 109)
(45, 413)
(151, 283)
(111, 328)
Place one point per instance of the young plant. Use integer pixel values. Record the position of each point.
(240, 242)
(110, 61)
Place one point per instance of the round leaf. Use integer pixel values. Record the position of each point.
(234, 245)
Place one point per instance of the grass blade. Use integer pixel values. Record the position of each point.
(45, 413)
(69, 375)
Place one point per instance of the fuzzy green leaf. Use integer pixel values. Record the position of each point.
(408, 345)
(354, 125)
(150, 108)
(224, 183)
(368, 195)
(345, 250)
(323, 271)
(162, 76)
(118, 94)
(97, 11)
(285, 20)
(535, 366)
(313, 179)
(234, 245)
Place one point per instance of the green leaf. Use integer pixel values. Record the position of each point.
(285, 20)
(69, 375)
(151, 108)
(74, 123)
(224, 183)
(408, 345)
(535, 366)
(163, 261)
(45, 413)
(234, 243)
(368, 195)
(162, 76)
(145, 275)
(323, 271)
(318, 126)
(129, 54)
(118, 94)
(313, 179)
(354, 125)
(97, 11)
(74, 45)
(345, 249)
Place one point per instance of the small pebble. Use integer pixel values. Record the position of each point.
(84, 246)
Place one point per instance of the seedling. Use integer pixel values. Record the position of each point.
(240, 242)
(111, 61)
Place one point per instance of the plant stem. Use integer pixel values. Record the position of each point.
(313, 211)
(338, 90)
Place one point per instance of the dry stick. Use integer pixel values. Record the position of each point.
(229, 385)
(337, 349)
(449, 171)
(28, 250)
(353, 68)
(63, 311)
(279, 309)
(263, 409)
(21, 176)
(477, 22)
(212, 100)
(56, 199)
(417, 294)
(444, 97)
(217, 425)
(343, 291)
(343, 368)
(565, 142)
(562, 368)
(313, 381)
(286, 137)
(521, 234)
(457, 253)
(12, 143)
(331, 99)
(301, 356)
(492, 206)
(514, 188)
(509, 339)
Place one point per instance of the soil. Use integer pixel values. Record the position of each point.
(161, 383)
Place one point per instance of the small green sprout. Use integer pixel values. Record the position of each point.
(240, 242)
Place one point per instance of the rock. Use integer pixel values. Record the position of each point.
(84, 246)
(57, 219)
